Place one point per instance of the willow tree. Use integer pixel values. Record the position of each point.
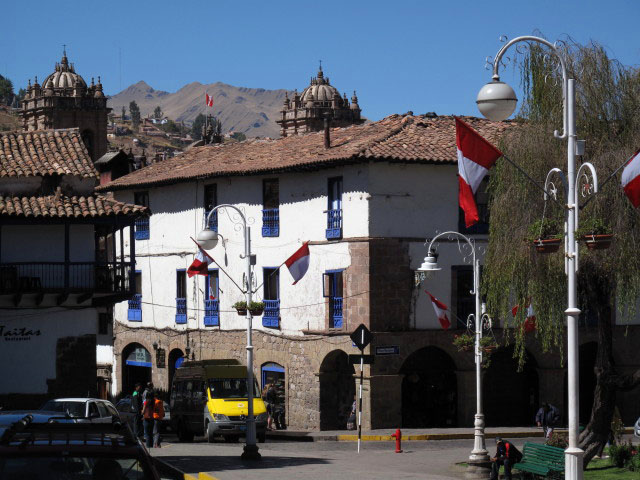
(608, 118)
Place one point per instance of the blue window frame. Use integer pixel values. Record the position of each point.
(211, 300)
(141, 231)
(181, 296)
(334, 208)
(210, 202)
(271, 207)
(271, 296)
(134, 313)
(332, 289)
(272, 373)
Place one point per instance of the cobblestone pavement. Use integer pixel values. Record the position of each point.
(325, 460)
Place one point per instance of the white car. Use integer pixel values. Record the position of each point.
(636, 428)
(94, 410)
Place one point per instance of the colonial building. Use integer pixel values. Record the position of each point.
(319, 102)
(59, 272)
(65, 101)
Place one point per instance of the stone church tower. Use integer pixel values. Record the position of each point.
(306, 112)
(65, 101)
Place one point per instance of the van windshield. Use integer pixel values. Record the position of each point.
(230, 388)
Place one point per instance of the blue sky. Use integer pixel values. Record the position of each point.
(399, 55)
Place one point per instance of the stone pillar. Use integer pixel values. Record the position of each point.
(386, 401)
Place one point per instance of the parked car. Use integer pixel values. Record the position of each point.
(93, 410)
(33, 449)
(126, 414)
(636, 428)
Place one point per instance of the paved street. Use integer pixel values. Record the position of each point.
(328, 460)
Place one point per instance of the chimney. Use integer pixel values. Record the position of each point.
(327, 131)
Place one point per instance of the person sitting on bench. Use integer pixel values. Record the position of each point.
(506, 454)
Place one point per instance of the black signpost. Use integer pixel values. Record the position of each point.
(361, 338)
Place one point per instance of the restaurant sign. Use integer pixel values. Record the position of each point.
(18, 334)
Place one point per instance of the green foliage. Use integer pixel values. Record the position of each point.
(6, 90)
(559, 440)
(123, 113)
(242, 305)
(134, 111)
(239, 136)
(607, 105)
(620, 455)
(467, 341)
(196, 126)
(545, 228)
(157, 113)
(634, 463)
(252, 306)
(593, 226)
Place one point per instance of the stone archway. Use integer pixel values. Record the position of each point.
(175, 357)
(511, 398)
(337, 390)
(429, 389)
(136, 366)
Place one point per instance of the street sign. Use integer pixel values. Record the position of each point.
(388, 350)
(366, 359)
(361, 336)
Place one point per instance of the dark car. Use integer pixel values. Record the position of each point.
(30, 448)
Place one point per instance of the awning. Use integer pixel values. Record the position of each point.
(139, 357)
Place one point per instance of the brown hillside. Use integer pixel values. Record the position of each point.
(252, 111)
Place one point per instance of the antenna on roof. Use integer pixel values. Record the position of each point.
(64, 49)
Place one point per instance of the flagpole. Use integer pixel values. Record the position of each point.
(219, 266)
(610, 177)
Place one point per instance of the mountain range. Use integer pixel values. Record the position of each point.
(252, 111)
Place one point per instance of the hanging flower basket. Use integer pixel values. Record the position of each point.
(464, 342)
(598, 242)
(489, 348)
(548, 245)
(256, 308)
(241, 308)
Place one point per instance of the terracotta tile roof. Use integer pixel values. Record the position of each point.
(44, 152)
(61, 206)
(405, 138)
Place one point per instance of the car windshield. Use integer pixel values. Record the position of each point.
(74, 409)
(230, 388)
(72, 468)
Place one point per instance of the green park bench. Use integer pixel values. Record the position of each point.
(541, 460)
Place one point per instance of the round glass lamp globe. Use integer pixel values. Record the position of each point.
(496, 101)
(207, 239)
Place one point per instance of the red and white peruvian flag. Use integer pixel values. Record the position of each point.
(298, 263)
(208, 100)
(529, 324)
(631, 179)
(441, 311)
(200, 265)
(475, 157)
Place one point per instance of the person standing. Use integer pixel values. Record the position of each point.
(136, 409)
(158, 415)
(147, 417)
(148, 389)
(548, 417)
(272, 400)
(506, 454)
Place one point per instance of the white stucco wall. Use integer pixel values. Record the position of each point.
(27, 364)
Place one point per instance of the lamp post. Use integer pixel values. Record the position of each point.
(479, 461)
(497, 101)
(208, 239)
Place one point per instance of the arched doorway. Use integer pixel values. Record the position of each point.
(337, 390)
(136, 366)
(176, 357)
(511, 398)
(429, 389)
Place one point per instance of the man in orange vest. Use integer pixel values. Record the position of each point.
(158, 415)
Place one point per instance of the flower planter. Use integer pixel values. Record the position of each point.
(489, 349)
(466, 348)
(547, 246)
(256, 312)
(598, 242)
(242, 312)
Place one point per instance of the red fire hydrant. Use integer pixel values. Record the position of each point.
(398, 437)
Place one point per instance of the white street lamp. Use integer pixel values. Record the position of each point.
(479, 461)
(208, 239)
(492, 105)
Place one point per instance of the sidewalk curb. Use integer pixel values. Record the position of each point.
(168, 469)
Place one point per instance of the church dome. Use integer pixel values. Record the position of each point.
(64, 76)
(320, 90)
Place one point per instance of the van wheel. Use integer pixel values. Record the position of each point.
(184, 435)
(209, 432)
(262, 437)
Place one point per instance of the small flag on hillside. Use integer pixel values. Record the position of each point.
(631, 179)
(441, 311)
(200, 265)
(529, 324)
(208, 100)
(475, 157)
(298, 263)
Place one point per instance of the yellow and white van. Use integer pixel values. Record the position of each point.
(209, 398)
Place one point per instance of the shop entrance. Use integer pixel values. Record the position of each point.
(337, 390)
(510, 397)
(136, 366)
(429, 390)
